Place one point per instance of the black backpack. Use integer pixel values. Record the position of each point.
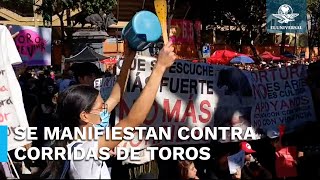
(46, 174)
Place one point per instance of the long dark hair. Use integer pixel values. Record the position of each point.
(70, 104)
(184, 168)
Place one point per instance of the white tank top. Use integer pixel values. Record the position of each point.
(88, 169)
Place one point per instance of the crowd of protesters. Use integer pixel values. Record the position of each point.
(44, 88)
(270, 65)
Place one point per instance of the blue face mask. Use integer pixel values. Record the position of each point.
(105, 117)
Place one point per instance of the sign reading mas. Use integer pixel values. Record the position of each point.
(286, 16)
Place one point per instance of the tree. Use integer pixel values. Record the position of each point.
(49, 8)
(57, 7)
(96, 6)
(248, 16)
(98, 10)
(22, 7)
(313, 9)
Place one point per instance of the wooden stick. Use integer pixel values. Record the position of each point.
(161, 10)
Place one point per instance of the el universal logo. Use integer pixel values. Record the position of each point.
(285, 15)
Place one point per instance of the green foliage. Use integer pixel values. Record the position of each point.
(313, 6)
(55, 7)
(91, 6)
(22, 7)
(310, 2)
(248, 16)
(96, 6)
(314, 29)
(49, 8)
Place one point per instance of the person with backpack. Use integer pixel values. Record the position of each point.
(82, 106)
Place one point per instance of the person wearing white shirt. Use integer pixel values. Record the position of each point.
(82, 106)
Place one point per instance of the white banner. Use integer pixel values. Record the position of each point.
(12, 112)
(190, 95)
(200, 95)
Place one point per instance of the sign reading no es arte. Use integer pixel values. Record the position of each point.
(286, 16)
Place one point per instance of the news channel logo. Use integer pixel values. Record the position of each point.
(3, 143)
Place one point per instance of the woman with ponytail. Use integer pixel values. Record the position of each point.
(82, 106)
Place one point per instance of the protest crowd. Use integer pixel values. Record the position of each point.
(280, 99)
(41, 88)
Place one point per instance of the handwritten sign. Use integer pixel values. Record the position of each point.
(281, 97)
(236, 161)
(33, 44)
(201, 95)
(190, 95)
(11, 113)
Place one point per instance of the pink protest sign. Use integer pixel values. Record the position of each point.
(28, 42)
(181, 31)
(33, 44)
